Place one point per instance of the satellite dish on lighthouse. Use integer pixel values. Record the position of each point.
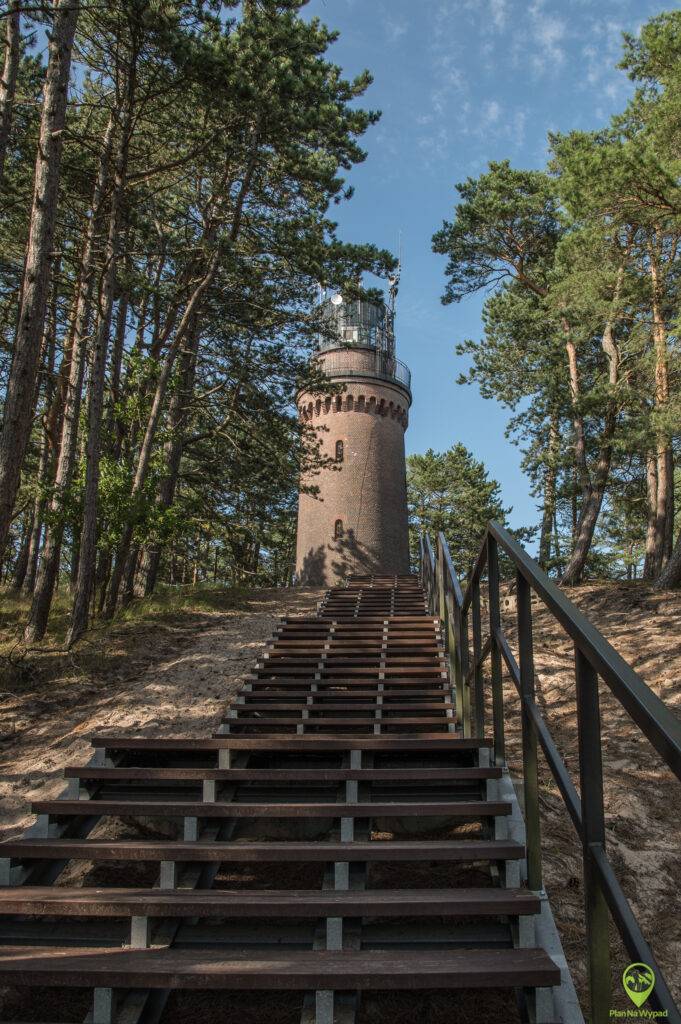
(337, 300)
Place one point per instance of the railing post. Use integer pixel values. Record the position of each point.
(463, 661)
(479, 696)
(453, 634)
(530, 761)
(593, 828)
(440, 579)
(495, 653)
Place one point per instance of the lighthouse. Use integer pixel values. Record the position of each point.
(357, 521)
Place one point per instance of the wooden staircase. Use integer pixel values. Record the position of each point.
(342, 753)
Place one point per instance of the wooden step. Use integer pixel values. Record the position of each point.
(221, 969)
(262, 775)
(86, 902)
(399, 621)
(430, 741)
(206, 809)
(317, 708)
(373, 851)
(331, 721)
(346, 671)
(339, 658)
(354, 646)
(340, 686)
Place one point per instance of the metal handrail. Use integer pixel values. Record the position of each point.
(594, 658)
(385, 366)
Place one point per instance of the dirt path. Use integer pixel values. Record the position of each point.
(163, 678)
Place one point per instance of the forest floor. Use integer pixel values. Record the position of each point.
(171, 665)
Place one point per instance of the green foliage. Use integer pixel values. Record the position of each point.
(231, 136)
(451, 492)
(580, 265)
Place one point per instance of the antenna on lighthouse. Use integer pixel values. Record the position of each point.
(394, 279)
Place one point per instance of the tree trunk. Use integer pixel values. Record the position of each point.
(670, 576)
(39, 505)
(549, 497)
(591, 509)
(651, 566)
(668, 545)
(127, 590)
(49, 563)
(144, 459)
(18, 411)
(88, 539)
(22, 557)
(45, 460)
(180, 333)
(28, 583)
(8, 84)
(173, 448)
(664, 525)
(48, 569)
(595, 492)
(593, 501)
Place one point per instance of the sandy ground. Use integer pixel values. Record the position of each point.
(162, 679)
(642, 797)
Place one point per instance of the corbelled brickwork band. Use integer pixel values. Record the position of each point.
(355, 401)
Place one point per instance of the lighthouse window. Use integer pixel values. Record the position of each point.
(339, 451)
(338, 529)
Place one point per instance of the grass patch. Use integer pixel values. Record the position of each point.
(170, 615)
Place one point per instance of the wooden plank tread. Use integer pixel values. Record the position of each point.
(318, 708)
(87, 902)
(456, 850)
(220, 969)
(428, 741)
(329, 720)
(175, 808)
(320, 775)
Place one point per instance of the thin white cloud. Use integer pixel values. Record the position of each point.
(395, 28)
(491, 112)
(499, 13)
(549, 33)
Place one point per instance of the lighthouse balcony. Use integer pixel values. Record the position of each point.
(365, 362)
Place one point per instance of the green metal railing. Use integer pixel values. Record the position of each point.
(594, 658)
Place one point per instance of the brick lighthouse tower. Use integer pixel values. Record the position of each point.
(358, 521)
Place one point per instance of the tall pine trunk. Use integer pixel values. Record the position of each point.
(144, 460)
(48, 569)
(181, 331)
(549, 510)
(670, 576)
(594, 492)
(173, 450)
(87, 562)
(18, 411)
(664, 517)
(8, 84)
(22, 557)
(49, 562)
(651, 566)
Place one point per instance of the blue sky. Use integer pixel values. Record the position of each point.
(462, 82)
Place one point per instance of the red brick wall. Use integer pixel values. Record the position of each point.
(367, 491)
